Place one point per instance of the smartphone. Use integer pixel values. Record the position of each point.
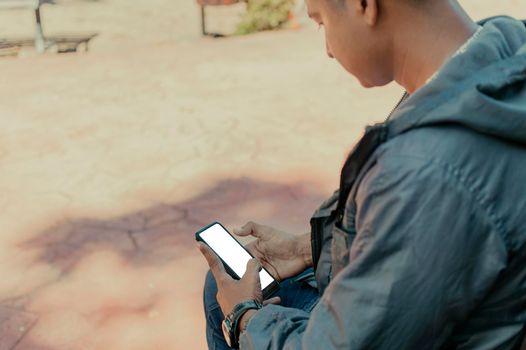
(234, 256)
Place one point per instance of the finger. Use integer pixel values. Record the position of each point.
(215, 264)
(250, 228)
(274, 300)
(252, 273)
(251, 247)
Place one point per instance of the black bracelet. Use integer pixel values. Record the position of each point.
(239, 310)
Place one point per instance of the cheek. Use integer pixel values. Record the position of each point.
(347, 57)
(334, 45)
(357, 57)
(340, 43)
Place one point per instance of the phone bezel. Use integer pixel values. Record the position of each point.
(268, 291)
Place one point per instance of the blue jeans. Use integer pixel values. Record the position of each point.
(294, 292)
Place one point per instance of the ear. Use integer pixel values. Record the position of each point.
(369, 10)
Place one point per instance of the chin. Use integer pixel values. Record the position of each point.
(370, 83)
(366, 84)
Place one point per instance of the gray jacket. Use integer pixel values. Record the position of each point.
(431, 251)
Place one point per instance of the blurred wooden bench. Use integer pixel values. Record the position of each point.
(62, 43)
(8, 49)
(35, 6)
(70, 43)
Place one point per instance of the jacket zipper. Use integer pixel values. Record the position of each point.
(404, 96)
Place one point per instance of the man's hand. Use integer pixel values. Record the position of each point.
(283, 254)
(231, 292)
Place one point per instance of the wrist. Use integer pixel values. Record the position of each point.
(236, 321)
(304, 249)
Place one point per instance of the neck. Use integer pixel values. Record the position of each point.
(418, 54)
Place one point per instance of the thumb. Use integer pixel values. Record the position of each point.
(253, 268)
(274, 300)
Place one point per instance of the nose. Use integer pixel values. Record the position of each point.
(328, 49)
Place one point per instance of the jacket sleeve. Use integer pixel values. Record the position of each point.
(426, 252)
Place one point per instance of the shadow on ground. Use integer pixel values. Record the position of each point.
(147, 239)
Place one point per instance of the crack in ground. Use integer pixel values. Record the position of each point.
(134, 242)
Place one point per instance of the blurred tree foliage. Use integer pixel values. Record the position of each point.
(264, 15)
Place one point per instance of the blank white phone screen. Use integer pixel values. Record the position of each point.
(228, 249)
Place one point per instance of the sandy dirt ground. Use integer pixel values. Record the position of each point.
(111, 159)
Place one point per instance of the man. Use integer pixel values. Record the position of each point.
(424, 245)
